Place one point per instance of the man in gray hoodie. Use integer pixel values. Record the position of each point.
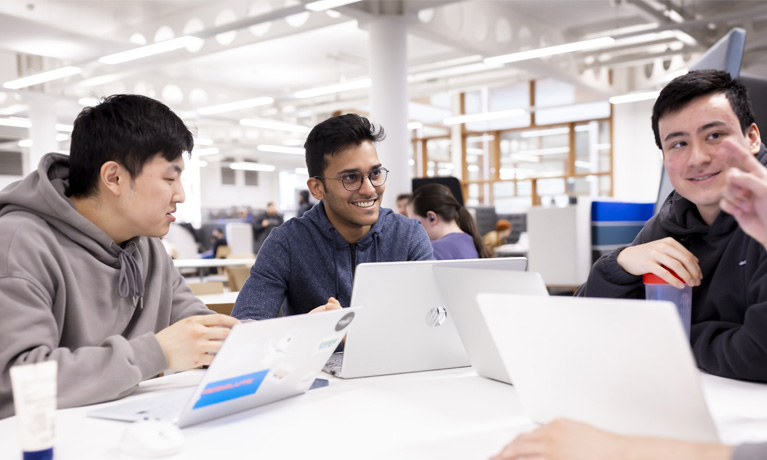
(84, 278)
(309, 261)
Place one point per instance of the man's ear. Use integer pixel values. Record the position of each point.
(112, 177)
(754, 139)
(316, 188)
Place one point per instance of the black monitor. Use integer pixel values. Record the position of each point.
(450, 182)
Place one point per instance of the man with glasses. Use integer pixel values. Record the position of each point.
(307, 264)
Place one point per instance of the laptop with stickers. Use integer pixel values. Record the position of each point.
(403, 325)
(260, 362)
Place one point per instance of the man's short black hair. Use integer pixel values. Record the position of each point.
(335, 135)
(126, 128)
(696, 83)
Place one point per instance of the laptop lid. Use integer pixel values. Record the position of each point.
(404, 326)
(622, 365)
(260, 362)
(459, 287)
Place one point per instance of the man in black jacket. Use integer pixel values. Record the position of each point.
(704, 125)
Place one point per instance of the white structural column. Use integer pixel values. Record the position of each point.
(388, 71)
(43, 115)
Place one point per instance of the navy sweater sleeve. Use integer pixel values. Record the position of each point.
(264, 291)
(420, 245)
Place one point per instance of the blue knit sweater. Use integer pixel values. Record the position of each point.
(305, 261)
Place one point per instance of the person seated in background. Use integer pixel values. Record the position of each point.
(744, 196)
(309, 261)
(450, 226)
(402, 200)
(704, 124)
(303, 203)
(217, 239)
(84, 278)
(497, 238)
(264, 223)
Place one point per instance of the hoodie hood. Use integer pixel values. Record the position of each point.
(679, 216)
(43, 193)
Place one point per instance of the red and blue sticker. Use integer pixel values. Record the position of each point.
(233, 388)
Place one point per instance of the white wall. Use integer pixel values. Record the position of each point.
(636, 159)
(216, 195)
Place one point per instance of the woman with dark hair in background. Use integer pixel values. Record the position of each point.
(450, 226)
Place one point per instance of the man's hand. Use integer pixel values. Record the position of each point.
(564, 440)
(660, 256)
(265, 222)
(745, 197)
(331, 305)
(193, 341)
(568, 440)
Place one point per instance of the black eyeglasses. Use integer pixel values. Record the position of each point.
(353, 181)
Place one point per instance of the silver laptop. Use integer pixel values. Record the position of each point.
(403, 325)
(260, 362)
(622, 365)
(459, 287)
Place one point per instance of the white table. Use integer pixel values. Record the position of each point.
(213, 263)
(449, 414)
(202, 264)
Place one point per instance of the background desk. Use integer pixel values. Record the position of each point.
(222, 303)
(202, 264)
(450, 414)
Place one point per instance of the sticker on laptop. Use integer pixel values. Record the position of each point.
(327, 342)
(280, 372)
(344, 321)
(233, 388)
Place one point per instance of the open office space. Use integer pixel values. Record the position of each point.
(534, 112)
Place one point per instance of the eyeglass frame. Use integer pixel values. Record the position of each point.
(362, 179)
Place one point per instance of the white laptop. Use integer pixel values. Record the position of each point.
(460, 287)
(260, 362)
(403, 325)
(621, 365)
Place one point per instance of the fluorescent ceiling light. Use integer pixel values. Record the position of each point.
(483, 116)
(585, 164)
(250, 166)
(203, 152)
(302, 171)
(322, 5)
(16, 122)
(246, 104)
(61, 137)
(474, 151)
(332, 89)
(281, 149)
(65, 128)
(473, 168)
(634, 97)
(13, 109)
(151, 50)
(25, 143)
(551, 51)
(273, 124)
(293, 142)
(42, 77)
(415, 125)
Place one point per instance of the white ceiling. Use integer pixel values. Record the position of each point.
(292, 52)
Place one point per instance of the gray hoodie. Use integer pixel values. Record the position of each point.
(69, 293)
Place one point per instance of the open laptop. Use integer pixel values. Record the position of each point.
(621, 365)
(459, 287)
(404, 325)
(260, 362)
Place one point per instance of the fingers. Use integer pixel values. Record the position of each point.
(215, 320)
(750, 164)
(658, 257)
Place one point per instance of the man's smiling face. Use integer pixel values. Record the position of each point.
(351, 213)
(700, 142)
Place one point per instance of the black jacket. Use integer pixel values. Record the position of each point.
(729, 308)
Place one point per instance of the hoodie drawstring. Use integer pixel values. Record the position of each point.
(131, 279)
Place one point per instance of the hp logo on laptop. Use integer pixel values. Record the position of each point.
(436, 316)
